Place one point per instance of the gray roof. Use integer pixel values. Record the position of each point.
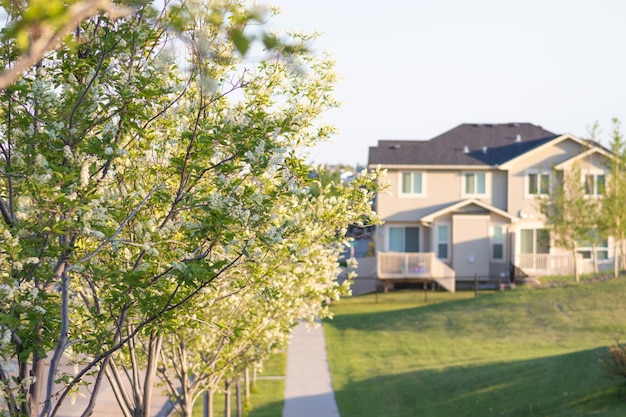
(463, 145)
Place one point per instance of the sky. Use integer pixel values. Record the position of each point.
(413, 69)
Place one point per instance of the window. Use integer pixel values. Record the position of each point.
(586, 248)
(404, 239)
(411, 183)
(594, 184)
(443, 241)
(534, 241)
(538, 184)
(475, 183)
(497, 244)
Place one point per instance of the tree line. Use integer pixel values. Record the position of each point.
(157, 219)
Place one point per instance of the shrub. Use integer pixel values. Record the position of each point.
(614, 362)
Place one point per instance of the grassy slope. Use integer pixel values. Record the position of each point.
(517, 353)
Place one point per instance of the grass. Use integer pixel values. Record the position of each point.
(266, 396)
(516, 353)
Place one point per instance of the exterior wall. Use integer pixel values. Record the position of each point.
(441, 188)
(499, 194)
(519, 203)
(470, 239)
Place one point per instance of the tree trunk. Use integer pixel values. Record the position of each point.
(615, 262)
(227, 412)
(238, 396)
(149, 380)
(247, 380)
(208, 403)
(576, 271)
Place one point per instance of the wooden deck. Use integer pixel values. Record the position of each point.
(414, 267)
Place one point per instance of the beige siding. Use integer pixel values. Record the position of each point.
(522, 205)
(441, 188)
(470, 242)
(499, 190)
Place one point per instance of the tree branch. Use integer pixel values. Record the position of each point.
(49, 37)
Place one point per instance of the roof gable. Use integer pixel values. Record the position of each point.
(586, 154)
(462, 207)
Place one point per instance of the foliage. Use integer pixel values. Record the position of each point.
(568, 212)
(614, 362)
(148, 176)
(612, 219)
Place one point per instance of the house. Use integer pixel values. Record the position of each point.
(465, 204)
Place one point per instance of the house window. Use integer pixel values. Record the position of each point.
(594, 184)
(411, 183)
(443, 241)
(538, 184)
(534, 241)
(497, 244)
(586, 249)
(404, 239)
(475, 183)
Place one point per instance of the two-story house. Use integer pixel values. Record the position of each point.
(465, 203)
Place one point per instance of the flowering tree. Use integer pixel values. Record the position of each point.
(135, 181)
(286, 282)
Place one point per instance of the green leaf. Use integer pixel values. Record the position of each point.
(242, 43)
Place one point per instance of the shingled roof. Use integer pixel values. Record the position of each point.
(466, 144)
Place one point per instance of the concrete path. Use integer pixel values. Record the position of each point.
(308, 388)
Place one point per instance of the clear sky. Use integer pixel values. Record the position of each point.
(412, 69)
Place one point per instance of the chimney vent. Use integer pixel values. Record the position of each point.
(484, 149)
(518, 138)
(465, 149)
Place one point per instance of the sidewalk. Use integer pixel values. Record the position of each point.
(308, 388)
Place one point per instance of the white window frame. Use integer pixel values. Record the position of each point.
(538, 173)
(607, 249)
(436, 240)
(534, 227)
(493, 242)
(593, 173)
(401, 193)
(465, 194)
(404, 226)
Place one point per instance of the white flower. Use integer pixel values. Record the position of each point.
(97, 234)
(40, 161)
(67, 152)
(6, 338)
(84, 174)
(108, 150)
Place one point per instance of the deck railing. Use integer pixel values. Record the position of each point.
(561, 264)
(403, 265)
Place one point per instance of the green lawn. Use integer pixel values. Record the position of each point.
(516, 353)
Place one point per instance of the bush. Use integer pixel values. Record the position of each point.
(614, 362)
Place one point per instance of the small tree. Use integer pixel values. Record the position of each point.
(568, 212)
(612, 219)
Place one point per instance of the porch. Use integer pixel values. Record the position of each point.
(414, 267)
(559, 264)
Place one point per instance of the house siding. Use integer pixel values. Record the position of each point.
(522, 205)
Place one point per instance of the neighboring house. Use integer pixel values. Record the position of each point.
(465, 203)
